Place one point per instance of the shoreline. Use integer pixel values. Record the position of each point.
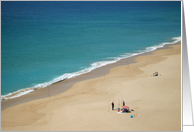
(64, 85)
(156, 101)
(93, 66)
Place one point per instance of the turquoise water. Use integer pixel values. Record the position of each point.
(44, 42)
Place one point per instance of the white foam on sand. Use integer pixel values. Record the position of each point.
(93, 66)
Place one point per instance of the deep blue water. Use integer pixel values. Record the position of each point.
(41, 41)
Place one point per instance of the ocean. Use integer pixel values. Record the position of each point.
(43, 42)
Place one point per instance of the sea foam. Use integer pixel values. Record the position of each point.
(93, 66)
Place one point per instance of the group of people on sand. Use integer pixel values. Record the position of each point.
(113, 104)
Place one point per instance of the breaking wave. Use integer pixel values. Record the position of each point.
(93, 66)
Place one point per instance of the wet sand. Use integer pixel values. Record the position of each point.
(85, 104)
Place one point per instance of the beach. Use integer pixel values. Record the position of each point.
(83, 103)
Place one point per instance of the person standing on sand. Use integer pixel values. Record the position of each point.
(112, 105)
(123, 103)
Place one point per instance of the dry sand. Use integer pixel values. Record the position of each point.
(86, 106)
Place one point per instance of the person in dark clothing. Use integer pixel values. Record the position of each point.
(112, 105)
(123, 103)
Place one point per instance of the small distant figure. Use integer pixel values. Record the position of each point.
(112, 105)
(123, 103)
(155, 74)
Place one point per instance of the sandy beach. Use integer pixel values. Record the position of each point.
(85, 102)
